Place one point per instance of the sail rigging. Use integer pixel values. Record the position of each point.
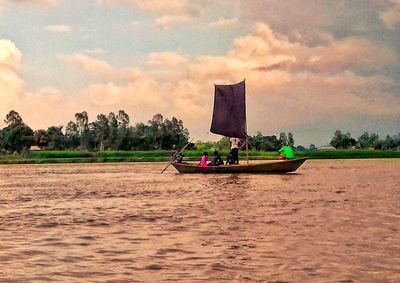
(229, 114)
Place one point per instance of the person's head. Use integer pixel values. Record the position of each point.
(215, 152)
(205, 153)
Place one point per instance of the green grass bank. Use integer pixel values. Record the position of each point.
(40, 157)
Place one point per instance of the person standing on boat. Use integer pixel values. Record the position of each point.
(235, 149)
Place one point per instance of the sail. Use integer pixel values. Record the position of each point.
(229, 115)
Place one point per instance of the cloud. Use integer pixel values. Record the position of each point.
(34, 2)
(168, 21)
(10, 56)
(166, 59)
(180, 7)
(391, 17)
(333, 55)
(94, 51)
(88, 64)
(142, 97)
(169, 12)
(59, 28)
(223, 23)
(11, 85)
(98, 68)
(31, 106)
(294, 83)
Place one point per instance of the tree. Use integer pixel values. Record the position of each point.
(375, 141)
(290, 140)
(41, 139)
(55, 138)
(300, 148)
(264, 143)
(364, 141)
(283, 139)
(344, 141)
(223, 143)
(102, 130)
(113, 125)
(155, 130)
(17, 137)
(388, 143)
(82, 121)
(13, 117)
(337, 139)
(122, 118)
(72, 136)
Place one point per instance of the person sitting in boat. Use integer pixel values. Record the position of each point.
(179, 158)
(286, 152)
(229, 160)
(216, 160)
(203, 159)
(235, 149)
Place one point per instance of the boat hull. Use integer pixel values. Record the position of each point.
(273, 166)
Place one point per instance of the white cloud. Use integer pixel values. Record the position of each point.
(59, 28)
(222, 23)
(10, 55)
(11, 85)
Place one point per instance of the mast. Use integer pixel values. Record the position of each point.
(247, 139)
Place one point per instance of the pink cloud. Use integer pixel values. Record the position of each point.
(290, 84)
(98, 68)
(87, 64)
(11, 85)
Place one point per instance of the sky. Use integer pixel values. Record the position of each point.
(311, 67)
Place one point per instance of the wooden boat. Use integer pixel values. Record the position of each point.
(229, 119)
(271, 166)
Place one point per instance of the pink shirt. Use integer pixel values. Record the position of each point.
(203, 161)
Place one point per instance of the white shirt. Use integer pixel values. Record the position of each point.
(234, 142)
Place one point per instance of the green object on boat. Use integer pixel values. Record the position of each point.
(287, 151)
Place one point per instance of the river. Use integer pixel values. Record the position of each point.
(331, 221)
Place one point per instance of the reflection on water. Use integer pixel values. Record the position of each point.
(332, 221)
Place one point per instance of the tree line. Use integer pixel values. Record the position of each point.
(112, 131)
(258, 142)
(365, 141)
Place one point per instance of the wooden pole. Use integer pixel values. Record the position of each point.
(176, 155)
(247, 150)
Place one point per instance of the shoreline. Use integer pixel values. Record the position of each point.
(61, 157)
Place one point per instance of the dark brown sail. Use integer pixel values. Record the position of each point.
(229, 116)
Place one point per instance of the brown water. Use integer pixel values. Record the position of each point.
(332, 221)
